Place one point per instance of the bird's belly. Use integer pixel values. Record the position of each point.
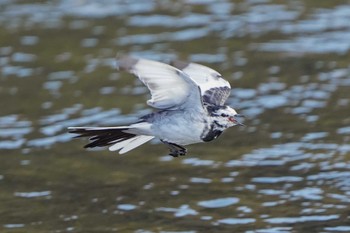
(181, 133)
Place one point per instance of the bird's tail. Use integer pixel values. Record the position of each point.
(115, 137)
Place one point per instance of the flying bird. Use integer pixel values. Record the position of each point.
(190, 99)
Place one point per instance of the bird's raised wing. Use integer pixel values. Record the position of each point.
(170, 87)
(215, 90)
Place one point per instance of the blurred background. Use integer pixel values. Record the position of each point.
(287, 171)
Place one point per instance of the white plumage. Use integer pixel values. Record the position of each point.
(129, 144)
(170, 87)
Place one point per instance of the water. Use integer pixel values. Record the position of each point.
(287, 171)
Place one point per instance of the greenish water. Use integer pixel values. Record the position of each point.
(287, 171)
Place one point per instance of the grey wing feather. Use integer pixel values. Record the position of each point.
(216, 95)
(214, 89)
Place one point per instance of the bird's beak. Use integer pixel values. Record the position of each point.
(235, 121)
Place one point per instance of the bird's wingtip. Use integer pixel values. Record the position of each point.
(125, 62)
(179, 64)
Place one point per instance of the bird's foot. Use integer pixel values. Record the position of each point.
(176, 150)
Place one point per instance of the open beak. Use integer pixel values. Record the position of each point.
(235, 121)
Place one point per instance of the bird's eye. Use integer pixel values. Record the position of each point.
(224, 115)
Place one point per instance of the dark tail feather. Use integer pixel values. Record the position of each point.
(101, 137)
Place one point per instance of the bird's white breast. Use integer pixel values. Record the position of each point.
(182, 128)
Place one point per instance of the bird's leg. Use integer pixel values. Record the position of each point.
(175, 150)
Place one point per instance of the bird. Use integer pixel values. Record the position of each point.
(189, 99)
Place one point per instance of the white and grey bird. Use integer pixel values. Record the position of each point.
(191, 102)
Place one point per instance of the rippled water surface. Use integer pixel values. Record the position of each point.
(287, 171)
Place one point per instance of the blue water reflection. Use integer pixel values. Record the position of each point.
(287, 171)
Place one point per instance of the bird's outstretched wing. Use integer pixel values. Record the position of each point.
(215, 90)
(170, 87)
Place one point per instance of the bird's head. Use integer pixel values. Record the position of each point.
(224, 116)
